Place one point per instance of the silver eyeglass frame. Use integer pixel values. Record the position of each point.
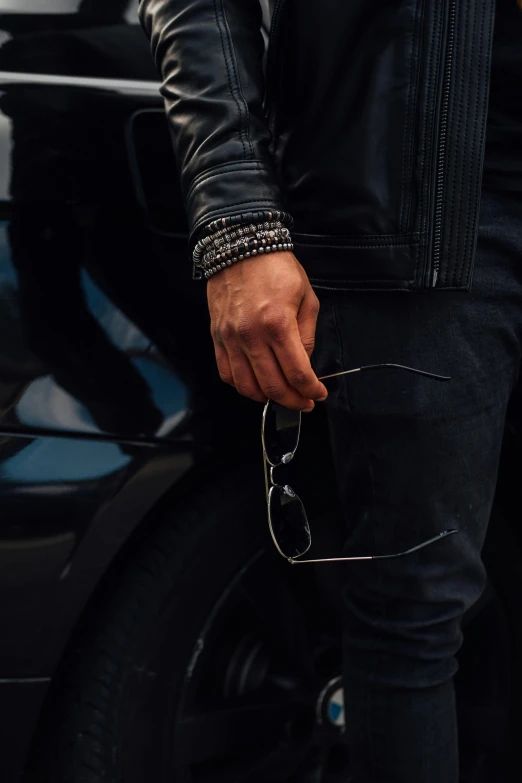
(270, 484)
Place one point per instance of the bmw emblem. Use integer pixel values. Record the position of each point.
(336, 707)
(330, 705)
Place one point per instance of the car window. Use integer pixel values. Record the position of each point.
(127, 8)
(82, 38)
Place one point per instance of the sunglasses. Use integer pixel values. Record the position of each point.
(287, 518)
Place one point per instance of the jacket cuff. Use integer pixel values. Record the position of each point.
(229, 189)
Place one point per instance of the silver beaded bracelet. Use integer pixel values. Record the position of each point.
(234, 259)
(236, 242)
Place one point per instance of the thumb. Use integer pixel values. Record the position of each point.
(307, 320)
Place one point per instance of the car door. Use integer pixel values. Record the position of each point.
(107, 387)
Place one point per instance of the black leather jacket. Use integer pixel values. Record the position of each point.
(365, 121)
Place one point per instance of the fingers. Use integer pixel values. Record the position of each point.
(307, 319)
(223, 363)
(294, 360)
(237, 371)
(263, 321)
(307, 322)
(273, 382)
(278, 359)
(272, 363)
(259, 377)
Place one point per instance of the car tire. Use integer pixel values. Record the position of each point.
(122, 709)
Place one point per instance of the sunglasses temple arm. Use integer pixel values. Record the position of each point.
(379, 557)
(419, 546)
(382, 366)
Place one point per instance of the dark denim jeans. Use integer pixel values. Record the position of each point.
(413, 457)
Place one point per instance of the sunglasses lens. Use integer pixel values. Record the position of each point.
(288, 522)
(281, 431)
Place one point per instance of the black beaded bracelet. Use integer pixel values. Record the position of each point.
(220, 226)
(251, 217)
(238, 242)
(239, 245)
(215, 241)
(206, 242)
(268, 248)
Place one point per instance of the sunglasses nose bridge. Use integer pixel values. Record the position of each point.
(285, 459)
(287, 488)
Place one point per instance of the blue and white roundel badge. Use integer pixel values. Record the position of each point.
(335, 708)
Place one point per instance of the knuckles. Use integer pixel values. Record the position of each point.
(299, 378)
(308, 345)
(276, 328)
(226, 333)
(245, 332)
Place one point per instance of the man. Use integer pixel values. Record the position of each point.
(364, 133)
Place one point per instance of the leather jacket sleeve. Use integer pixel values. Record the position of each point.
(209, 54)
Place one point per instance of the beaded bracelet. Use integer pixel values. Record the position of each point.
(220, 226)
(218, 238)
(248, 245)
(251, 217)
(206, 242)
(237, 243)
(255, 247)
(221, 237)
(233, 239)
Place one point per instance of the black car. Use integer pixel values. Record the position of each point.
(149, 629)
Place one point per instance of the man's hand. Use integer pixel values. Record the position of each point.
(263, 314)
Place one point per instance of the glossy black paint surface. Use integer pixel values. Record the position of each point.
(108, 386)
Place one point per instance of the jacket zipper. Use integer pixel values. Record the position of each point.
(443, 129)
